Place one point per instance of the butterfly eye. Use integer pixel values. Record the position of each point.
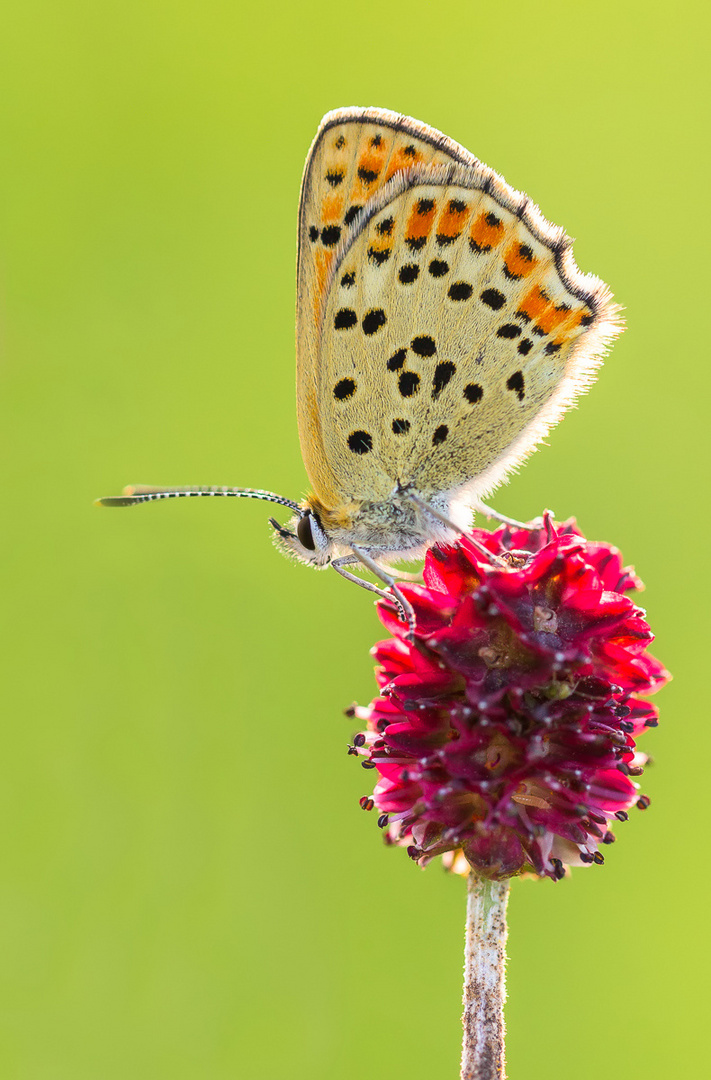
(303, 531)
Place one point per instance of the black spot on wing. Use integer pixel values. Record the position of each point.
(360, 442)
(331, 235)
(367, 175)
(473, 393)
(344, 389)
(424, 345)
(493, 298)
(379, 256)
(515, 382)
(409, 273)
(373, 320)
(442, 375)
(438, 268)
(408, 383)
(345, 319)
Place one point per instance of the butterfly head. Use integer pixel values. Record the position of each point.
(305, 538)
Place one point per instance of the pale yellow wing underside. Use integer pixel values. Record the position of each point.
(442, 326)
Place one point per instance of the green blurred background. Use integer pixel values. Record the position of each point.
(187, 886)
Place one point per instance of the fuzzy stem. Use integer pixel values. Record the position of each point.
(484, 979)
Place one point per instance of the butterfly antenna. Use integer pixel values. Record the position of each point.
(132, 496)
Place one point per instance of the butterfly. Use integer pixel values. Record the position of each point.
(442, 329)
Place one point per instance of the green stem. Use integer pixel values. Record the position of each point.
(484, 979)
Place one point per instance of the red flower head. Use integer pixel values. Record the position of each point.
(504, 730)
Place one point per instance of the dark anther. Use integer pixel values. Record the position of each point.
(366, 803)
(643, 802)
(382, 821)
(367, 764)
(359, 740)
(621, 815)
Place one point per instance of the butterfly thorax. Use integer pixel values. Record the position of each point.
(394, 528)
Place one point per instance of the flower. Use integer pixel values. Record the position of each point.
(504, 730)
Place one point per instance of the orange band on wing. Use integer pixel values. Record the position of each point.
(486, 232)
(452, 220)
(420, 222)
(519, 260)
(404, 158)
(553, 317)
(332, 209)
(323, 262)
(534, 303)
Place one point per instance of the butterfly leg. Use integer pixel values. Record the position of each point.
(406, 610)
(433, 513)
(404, 575)
(345, 560)
(454, 527)
(488, 512)
(405, 606)
(480, 508)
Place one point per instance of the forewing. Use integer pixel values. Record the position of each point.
(356, 152)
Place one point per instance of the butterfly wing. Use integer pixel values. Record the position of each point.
(353, 156)
(449, 328)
